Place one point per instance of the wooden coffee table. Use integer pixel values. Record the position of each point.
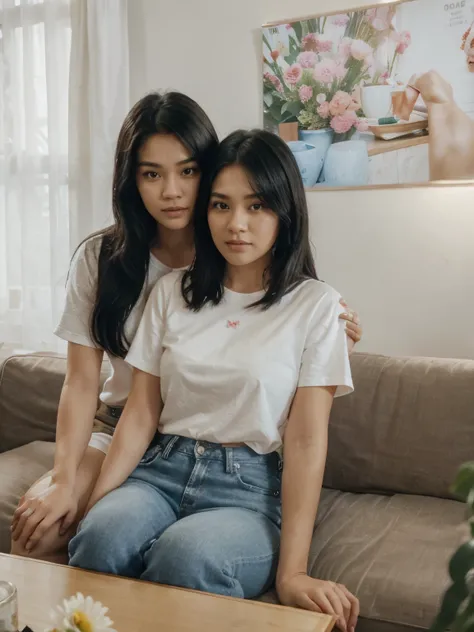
(137, 606)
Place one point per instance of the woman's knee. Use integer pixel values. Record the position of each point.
(189, 562)
(113, 535)
(97, 539)
(51, 548)
(227, 552)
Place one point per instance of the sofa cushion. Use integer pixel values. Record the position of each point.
(30, 386)
(391, 551)
(19, 469)
(407, 428)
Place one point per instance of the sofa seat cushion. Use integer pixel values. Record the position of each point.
(19, 469)
(390, 551)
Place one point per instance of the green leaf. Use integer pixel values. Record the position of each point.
(291, 58)
(268, 99)
(452, 600)
(462, 561)
(298, 28)
(292, 107)
(467, 614)
(464, 482)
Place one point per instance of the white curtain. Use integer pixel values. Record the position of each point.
(52, 194)
(34, 248)
(99, 100)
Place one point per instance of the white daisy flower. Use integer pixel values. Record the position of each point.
(80, 614)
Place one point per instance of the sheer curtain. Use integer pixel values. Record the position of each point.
(99, 101)
(34, 247)
(60, 111)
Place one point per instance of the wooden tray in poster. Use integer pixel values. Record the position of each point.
(389, 132)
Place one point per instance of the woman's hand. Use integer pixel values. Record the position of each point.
(38, 513)
(353, 326)
(433, 89)
(302, 591)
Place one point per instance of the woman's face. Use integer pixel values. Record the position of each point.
(168, 180)
(242, 228)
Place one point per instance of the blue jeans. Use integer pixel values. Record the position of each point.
(193, 514)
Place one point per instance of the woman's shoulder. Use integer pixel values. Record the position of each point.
(171, 282)
(318, 292)
(168, 288)
(88, 250)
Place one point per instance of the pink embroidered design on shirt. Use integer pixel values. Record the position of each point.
(233, 324)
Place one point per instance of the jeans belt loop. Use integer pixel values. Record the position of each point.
(229, 460)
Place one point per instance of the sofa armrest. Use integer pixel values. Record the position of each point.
(30, 387)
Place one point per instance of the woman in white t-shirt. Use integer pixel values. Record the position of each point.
(166, 142)
(232, 358)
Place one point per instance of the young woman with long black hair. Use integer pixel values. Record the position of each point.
(237, 357)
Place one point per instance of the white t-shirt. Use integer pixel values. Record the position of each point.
(229, 374)
(74, 325)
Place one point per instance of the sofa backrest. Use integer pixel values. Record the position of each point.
(30, 386)
(407, 428)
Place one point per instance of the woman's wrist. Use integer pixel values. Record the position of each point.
(63, 476)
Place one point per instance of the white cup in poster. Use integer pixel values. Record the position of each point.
(377, 101)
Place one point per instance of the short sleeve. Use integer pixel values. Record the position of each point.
(81, 287)
(325, 360)
(146, 349)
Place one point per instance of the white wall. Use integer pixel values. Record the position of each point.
(404, 258)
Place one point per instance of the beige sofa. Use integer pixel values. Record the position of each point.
(387, 524)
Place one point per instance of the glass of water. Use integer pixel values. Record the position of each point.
(8, 607)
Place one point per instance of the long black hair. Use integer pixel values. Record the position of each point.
(275, 178)
(125, 250)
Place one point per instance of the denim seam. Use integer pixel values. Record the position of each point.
(189, 489)
(242, 561)
(258, 558)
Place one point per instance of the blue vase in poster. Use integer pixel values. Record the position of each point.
(309, 161)
(321, 139)
(347, 164)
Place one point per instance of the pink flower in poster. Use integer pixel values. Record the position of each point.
(403, 42)
(340, 70)
(362, 125)
(380, 19)
(340, 20)
(275, 54)
(344, 48)
(355, 100)
(360, 50)
(293, 74)
(310, 42)
(305, 93)
(325, 71)
(324, 45)
(323, 110)
(274, 80)
(288, 27)
(343, 122)
(340, 102)
(315, 43)
(384, 77)
(308, 59)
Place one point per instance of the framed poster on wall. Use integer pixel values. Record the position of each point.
(379, 95)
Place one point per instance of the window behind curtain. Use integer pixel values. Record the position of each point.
(34, 229)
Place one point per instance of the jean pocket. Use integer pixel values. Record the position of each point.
(259, 479)
(151, 455)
